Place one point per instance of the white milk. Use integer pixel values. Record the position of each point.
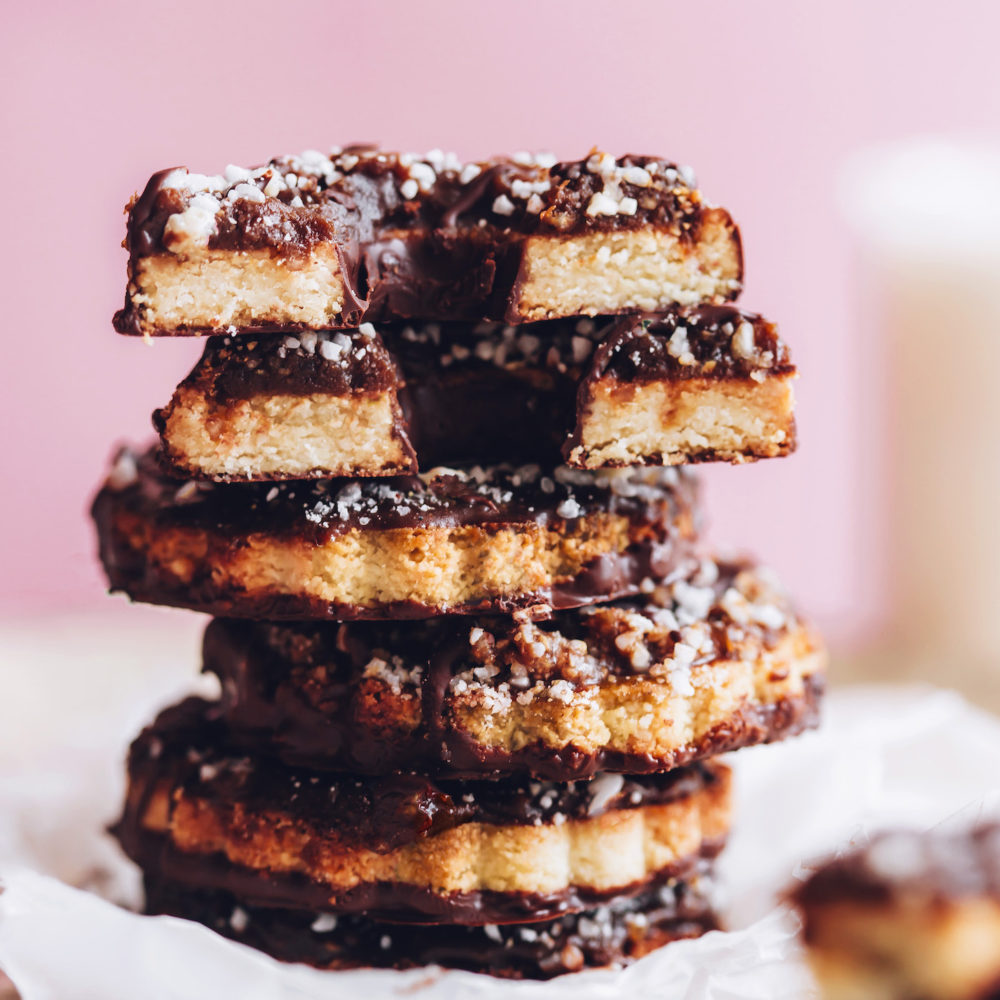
(927, 214)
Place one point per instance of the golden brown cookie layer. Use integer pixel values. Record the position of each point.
(909, 915)
(694, 384)
(314, 241)
(714, 662)
(405, 846)
(449, 541)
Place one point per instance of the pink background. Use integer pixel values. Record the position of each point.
(763, 98)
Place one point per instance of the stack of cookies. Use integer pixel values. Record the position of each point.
(476, 665)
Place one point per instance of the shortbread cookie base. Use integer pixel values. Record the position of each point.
(224, 291)
(217, 291)
(910, 914)
(284, 437)
(641, 271)
(692, 420)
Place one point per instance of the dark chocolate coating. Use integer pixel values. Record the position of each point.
(612, 935)
(932, 867)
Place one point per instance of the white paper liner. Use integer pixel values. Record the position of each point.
(885, 757)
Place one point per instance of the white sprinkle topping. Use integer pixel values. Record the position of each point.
(603, 789)
(245, 192)
(423, 174)
(502, 205)
(602, 204)
(330, 350)
(188, 490)
(469, 173)
(124, 472)
(324, 923)
(274, 186)
(637, 176)
(679, 346)
(194, 226)
(569, 508)
(409, 189)
(743, 342)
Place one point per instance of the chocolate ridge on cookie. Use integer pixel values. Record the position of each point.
(330, 241)
(404, 846)
(693, 384)
(450, 541)
(716, 661)
(612, 935)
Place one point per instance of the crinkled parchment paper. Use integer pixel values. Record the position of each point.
(884, 757)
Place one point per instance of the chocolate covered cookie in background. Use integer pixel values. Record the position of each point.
(476, 663)
(909, 916)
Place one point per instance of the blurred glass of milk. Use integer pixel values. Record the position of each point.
(926, 213)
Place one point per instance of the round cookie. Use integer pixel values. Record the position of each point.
(405, 847)
(713, 662)
(450, 541)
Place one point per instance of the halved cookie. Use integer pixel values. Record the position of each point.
(693, 384)
(315, 242)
